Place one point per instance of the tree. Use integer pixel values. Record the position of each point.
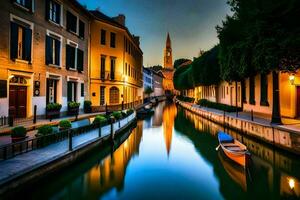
(179, 62)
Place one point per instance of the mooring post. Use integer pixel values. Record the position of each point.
(70, 140)
(252, 115)
(112, 119)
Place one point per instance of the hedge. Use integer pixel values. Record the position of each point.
(219, 106)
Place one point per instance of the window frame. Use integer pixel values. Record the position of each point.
(60, 38)
(113, 40)
(75, 45)
(103, 37)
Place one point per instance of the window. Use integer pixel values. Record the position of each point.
(74, 58)
(53, 46)
(112, 40)
(264, 90)
(129, 70)
(51, 95)
(71, 22)
(3, 88)
(125, 68)
(102, 95)
(252, 90)
(114, 95)
(103, 37)
(102, 68)
(82, 90)
(72, 91)
(81, 29)
(112, 68)
(20, 42)
(53, 11)
(25, 3)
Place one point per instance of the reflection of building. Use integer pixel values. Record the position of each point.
(169, 114)
(44, 55)
(148, 80)
(116, 62)
(111, 171)
(157, 117)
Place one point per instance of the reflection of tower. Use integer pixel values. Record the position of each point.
(168, 62)
(111, 171)
(169, 114)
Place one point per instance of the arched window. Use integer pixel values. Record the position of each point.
(113, 95)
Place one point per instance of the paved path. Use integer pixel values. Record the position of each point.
(289, 124)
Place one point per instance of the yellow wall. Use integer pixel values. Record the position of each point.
(130, 86)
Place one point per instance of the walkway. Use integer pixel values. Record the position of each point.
(288, 124)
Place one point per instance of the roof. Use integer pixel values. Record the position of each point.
(80, 7)
(104, 18)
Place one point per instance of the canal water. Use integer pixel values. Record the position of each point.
(172, 155)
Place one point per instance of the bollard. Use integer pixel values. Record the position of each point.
(106, 112)
(251, 115)
(100, 129)
(10, 120)
(70, 140)
(122, 105)
(34, 114)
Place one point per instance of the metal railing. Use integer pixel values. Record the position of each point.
(11, 150)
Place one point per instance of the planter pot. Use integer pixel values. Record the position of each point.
(18, 139)
(50, 114)
(73, 111)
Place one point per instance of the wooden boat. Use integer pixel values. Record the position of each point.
(233, 149)
(236, 172)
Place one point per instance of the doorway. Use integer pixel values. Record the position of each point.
(17, 101)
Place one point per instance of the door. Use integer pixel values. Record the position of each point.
(298, 101)
(17, 101)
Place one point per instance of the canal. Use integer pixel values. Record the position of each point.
(172, 155)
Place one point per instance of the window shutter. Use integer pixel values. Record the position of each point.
(80, 54)
(13, 40)
(81, 29)
(28, 4)
(69, 94)
(58, 13)
(49, 50)
(69, 21)
(82, 89)
(68, 52)
(57, 52)
(47, 14)
(27, 44)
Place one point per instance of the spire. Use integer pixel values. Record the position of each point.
(168, 42)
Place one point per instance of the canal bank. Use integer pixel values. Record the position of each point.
(276, 135)
(172, 155)
(37, 164)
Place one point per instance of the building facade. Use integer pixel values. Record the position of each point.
(116, 63)
(158, 89)
(43, 55)
(147, 78)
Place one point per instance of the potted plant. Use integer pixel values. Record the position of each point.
(53, 110)
(100, 119)
(87, 106)
(44, 130)
(117, 115)
(73, 108)
(64, 125)
(18, 134)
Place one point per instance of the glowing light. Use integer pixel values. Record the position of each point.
(292, 79)
(291, 183)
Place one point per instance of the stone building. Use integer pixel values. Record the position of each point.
(43, 55)
(116, 63)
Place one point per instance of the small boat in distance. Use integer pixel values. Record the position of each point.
(233, 149)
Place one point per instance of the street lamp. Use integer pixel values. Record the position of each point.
(292, 79)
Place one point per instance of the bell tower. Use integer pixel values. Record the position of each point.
(168, 61)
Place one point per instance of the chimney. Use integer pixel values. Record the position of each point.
(120, 19)
(136, 39)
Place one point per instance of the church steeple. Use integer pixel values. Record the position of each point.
(168, 61)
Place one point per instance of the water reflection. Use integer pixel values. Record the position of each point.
(169, 114)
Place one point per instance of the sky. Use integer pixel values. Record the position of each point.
(191, 24)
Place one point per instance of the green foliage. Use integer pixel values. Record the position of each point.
(53, 107)
(18, 131)
(129, 111)
(186, 99)
(65, 124)
(259, 37)
(148, 90)
(73, 104)
(117, 115)
(219, 106)
(179, 62)
(204, 70)
(45, 130)
(100, 119)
